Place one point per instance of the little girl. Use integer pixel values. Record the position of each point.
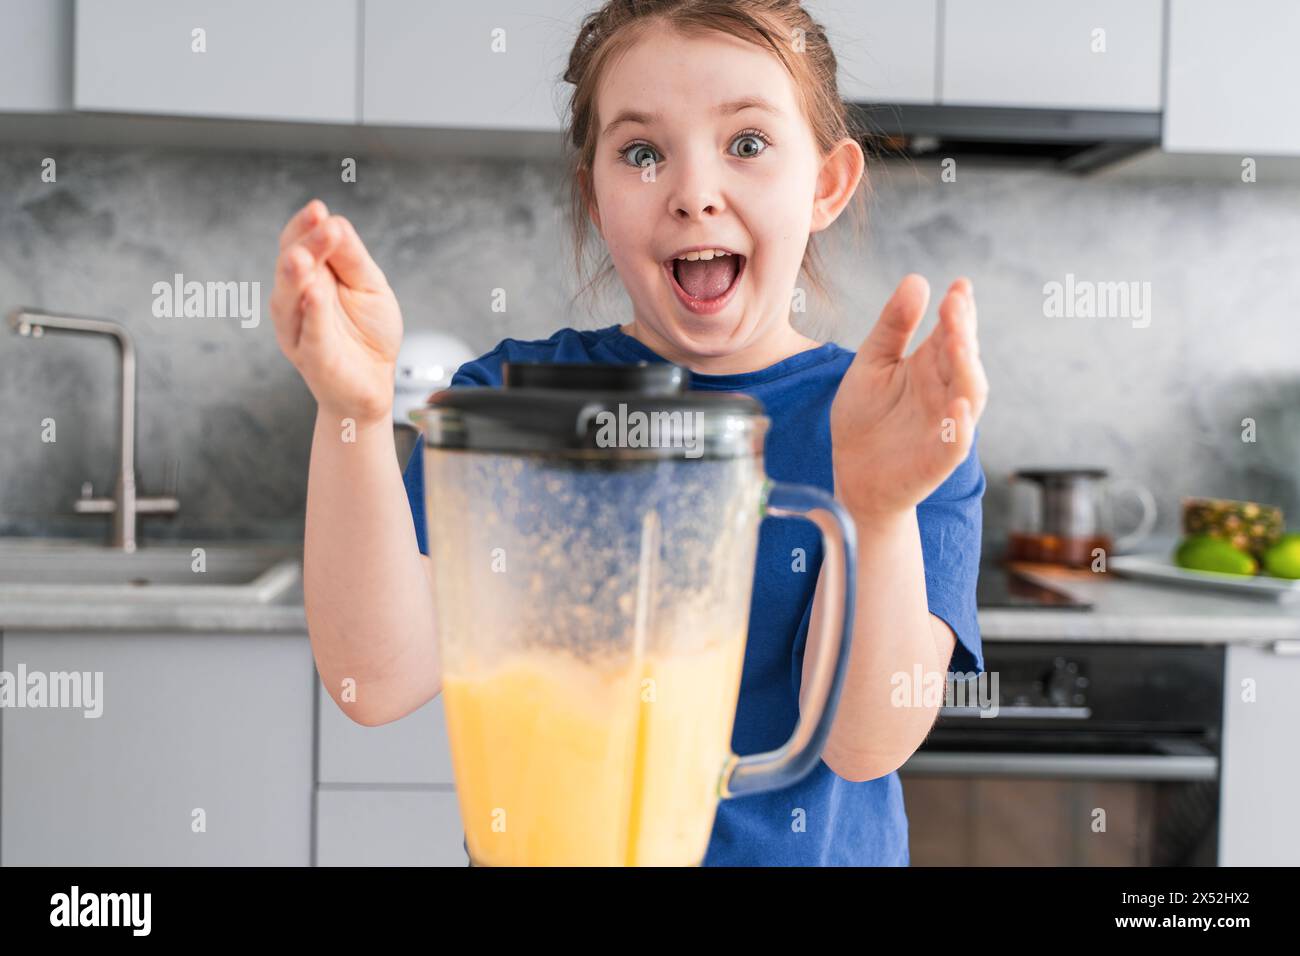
(709, 143)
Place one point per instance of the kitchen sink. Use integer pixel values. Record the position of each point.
(73, 571)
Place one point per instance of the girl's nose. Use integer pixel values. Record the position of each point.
(695, 198)
(698, 208)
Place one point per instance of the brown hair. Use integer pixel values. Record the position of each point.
(774, 25)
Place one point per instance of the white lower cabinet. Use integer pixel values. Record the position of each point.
(196, 752)
(385, 796)
(388, 827)
(1258, 825)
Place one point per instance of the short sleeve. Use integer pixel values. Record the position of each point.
(481, 371)
(951, 524)
(413, 479)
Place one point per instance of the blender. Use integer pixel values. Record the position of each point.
(593, 530)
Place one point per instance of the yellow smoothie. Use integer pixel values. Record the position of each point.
(561, 762)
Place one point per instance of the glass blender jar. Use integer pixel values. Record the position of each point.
(593, 530)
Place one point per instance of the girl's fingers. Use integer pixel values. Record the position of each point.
(983, 389)
(299, 263)
(305, 219)
(971, 311)
(970, 316)
(298, 266)
(292, 270)
(350, 259)
(968, 381)
(322, 241)
(957, 322)
(957, 311)
(898, 320)
(315, 309)
(947, 331)
(942, 356)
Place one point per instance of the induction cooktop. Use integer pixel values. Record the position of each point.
(1001, 587)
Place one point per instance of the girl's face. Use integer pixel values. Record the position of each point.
(703, 145)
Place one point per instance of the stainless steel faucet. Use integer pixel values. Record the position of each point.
(125, 503)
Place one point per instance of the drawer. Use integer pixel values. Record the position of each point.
(412, 750)
(392, 827)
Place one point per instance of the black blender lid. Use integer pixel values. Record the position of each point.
(642, 410)
(658, 378)
(1058, 475)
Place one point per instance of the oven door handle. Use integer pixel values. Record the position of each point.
(1020, 710)
(1194, 766)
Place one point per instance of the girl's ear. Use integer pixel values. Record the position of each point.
(837, 182)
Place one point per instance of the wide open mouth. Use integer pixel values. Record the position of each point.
(706, 284)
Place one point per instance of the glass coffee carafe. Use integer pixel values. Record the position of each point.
(1068, 516)
(593, 530)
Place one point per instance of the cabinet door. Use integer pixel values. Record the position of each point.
(412, 750)
(493, 65)
(35, 55)
(1258, 824)
(372, 827)
(1043, 53)
(886, 49)
(218, 723)
(287, 60)
(1233, 76)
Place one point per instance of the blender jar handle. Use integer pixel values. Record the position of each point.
(790, 762)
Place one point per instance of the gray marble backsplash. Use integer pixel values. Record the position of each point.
(1158, 393)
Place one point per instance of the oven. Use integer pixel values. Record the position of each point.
(1096, 754)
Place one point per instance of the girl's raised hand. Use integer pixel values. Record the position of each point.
(335, 317)
(901, 424)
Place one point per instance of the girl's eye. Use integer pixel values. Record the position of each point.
(639, 154)
(748, 144)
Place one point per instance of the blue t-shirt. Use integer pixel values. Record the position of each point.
(823, 819)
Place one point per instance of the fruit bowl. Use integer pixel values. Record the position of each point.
(1159, 567)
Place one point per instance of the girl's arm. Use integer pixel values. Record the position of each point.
(899, 427)
(365, 585)
(893, 633)
(367, 589)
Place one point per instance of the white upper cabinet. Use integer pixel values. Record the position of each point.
(35, 55)
(486, 65)
(1102, 55)
(239, 59)
(1234, 77)
(886, 48)
(1223, 75)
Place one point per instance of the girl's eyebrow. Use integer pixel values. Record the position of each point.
(722, 109)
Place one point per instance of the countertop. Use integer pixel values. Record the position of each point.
(1124, 610)
(287, 616)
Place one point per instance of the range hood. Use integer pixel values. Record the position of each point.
(1073, 140)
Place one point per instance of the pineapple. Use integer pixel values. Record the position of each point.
(1246, 525)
